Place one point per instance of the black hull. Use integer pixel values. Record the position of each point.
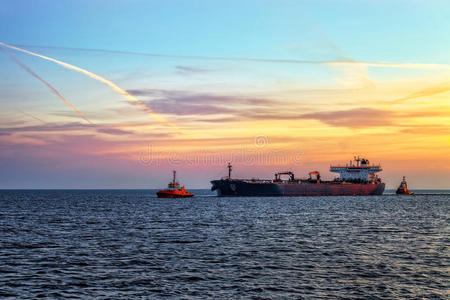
(242, 188)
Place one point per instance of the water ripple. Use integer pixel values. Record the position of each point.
(129, 244)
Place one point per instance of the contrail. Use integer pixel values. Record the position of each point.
(193, 57)
(264, 60)
(119, 90)
(439, 89)
(55, 91)
(31, 116)
(390, 65)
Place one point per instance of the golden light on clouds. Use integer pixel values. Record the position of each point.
(392, 121)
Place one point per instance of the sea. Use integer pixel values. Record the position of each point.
(111, 244)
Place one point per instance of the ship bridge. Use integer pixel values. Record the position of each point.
(359, 169)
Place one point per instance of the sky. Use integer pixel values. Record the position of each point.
(117, 94)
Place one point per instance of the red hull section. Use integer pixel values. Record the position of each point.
(173, 194)
(403, 192)
(324, 189)
(248, 189)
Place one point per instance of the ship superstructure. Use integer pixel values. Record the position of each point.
(359, 170)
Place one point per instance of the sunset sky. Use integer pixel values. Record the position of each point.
(190, 85)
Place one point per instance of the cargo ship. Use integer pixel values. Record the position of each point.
(357, 178)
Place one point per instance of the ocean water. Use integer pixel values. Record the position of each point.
(109, 244)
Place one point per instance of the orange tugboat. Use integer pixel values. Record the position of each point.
(174, 190)
(403, 188)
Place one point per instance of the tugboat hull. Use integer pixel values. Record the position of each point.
(172, 194)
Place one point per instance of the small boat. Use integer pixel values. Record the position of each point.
(173, 190)
(403, 188)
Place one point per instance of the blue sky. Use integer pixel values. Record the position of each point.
(402, 31)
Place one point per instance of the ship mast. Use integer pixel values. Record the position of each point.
(229, 170)
(403, 183)
(174, 177)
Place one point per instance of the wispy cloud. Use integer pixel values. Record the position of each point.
(353, 118)
(427, 130)
(368, 117)
(211, 108)
(66, 127)
(114, 131)
(190, 96)
(48, 127)
(355, 74)
(191, 103)
(356, 118)
(188, 70)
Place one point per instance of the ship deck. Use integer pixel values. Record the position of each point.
(299, 181)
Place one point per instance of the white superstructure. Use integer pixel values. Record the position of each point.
(358, 170)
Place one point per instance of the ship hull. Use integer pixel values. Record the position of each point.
(403, 192)
(271, 189)
(173, 194)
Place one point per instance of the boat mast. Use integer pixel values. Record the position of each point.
(404, 184)
(229, 170)
(174, 176)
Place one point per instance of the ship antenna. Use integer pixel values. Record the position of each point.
(229, 170)
(174, 176)
(357, 159)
